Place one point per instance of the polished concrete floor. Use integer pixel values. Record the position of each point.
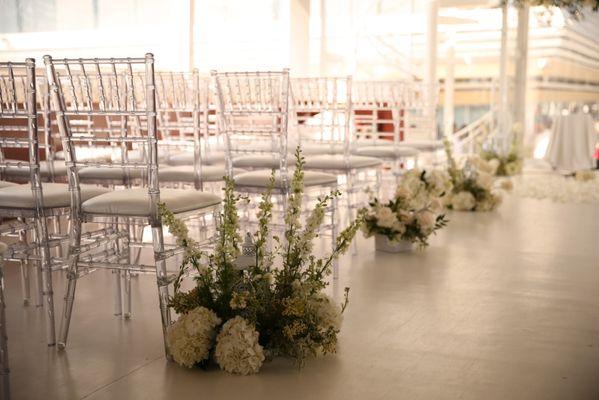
(503, 305)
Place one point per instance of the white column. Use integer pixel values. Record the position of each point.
(449, 89)
(299, 36)
(521, 70)
(503, 109)
(323, 37)
(431, 59)
(192, 13)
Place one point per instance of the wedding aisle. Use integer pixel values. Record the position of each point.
(502, 305)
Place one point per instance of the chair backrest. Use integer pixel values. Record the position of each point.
(322, 110)
(183, 114)
(18, 121)
(117, 98)
(378, 109)
(418, 121)
(253, 112)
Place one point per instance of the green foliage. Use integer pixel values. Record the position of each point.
(284, 303)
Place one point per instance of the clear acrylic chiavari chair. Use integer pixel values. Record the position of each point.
(378, 109)
(122, 91)
(253, 115)
(323, 119)
(26, 208)
(185, 127)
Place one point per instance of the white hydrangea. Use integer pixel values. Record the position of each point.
(436, 205)
(237, 348)
(463, 201)
(190, 338)
(385, 217)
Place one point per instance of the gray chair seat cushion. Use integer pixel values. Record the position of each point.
(55, 195)
(338, 162)
(261, 178)
(389, 151)
(186, 173)
(107, 173)
(322, 148)
(136, 202)
(186, 158)
(60, 169)
(4, 184)
(269, 161)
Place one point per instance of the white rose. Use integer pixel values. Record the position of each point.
(436, 205)
(385, 217)
(493, 164)
(403, 192)
(426, 220)
(463, 201)
(507, 185)
(484, 180)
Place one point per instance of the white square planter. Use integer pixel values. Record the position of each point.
(382, 243)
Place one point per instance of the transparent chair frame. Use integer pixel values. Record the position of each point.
(323, 105)
(184, 116)
(254, 106)
(115, 93)
(18, 102)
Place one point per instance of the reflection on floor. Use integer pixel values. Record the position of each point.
(501, 306)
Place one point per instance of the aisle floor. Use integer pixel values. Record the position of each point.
(503, 305)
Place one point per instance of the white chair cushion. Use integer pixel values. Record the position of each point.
(106, 173)
(270, 161)
(4, 184)
(389, 151)
(55, 195)
(186, 173)
(261, 178)
(337, 162)
(60, 169)
(136, 202)
(424, 145)
(322, 148)
(88, 153)
(186, 158)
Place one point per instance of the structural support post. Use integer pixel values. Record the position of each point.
(430, 78)
(323, 37)
(504, 111)
(449, 89)
(299, 36)
(521, 73)
(192, 13)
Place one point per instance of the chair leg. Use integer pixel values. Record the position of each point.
(126, 277)
(118, 289)
(72, 275)
(41, 241)
(25, 280)
(4, 369)
(161, 280)
(350, 213)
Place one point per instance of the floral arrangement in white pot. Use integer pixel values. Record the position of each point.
(474, 187)
(412, 215)
(239, 316)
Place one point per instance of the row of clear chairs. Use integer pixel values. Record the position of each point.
(131, 137)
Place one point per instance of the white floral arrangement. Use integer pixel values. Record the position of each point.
(474, 187)
(238, 317)
(415, 211)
